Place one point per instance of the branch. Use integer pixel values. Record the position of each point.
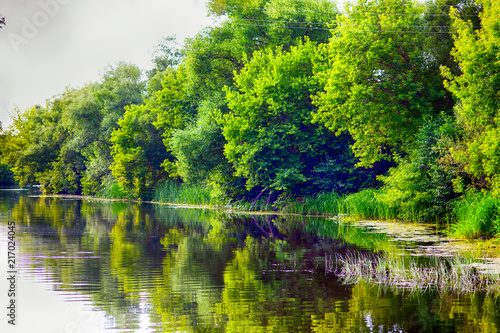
(257, 198)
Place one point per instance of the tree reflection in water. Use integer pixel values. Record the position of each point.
(201, 270)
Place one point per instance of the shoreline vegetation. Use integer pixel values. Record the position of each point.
(290, 106)
(472, 217)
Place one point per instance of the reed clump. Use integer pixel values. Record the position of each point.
(363, 204)
(440, 274)
(171, 192)
(326, 203)
(477, 216)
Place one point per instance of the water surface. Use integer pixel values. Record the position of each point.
(96, 266)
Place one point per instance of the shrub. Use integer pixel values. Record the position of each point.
(420, 187)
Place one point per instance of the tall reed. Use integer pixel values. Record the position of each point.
(171, 192)
(364, 204)
(440, 274)
(477, 215)
(327, 203)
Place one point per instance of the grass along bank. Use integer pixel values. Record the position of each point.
(472, 216)
(477, 216)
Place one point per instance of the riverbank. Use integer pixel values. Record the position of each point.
(474, 216)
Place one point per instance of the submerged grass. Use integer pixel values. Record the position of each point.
(439, 274)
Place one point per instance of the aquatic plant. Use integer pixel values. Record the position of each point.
(455, 274)
(327, 203)
(364, 204)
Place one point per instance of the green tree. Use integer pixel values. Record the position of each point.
(141, 143)
(95, 116)
(32, 146)
(167, 55)
(379, 84)
(65, 146)
(440, 27)
(199, 149)
(421, 186)
(268, 23)
(6, 176)
(476, 90)
(138, 151)
(214, 56)
(174, 107)
(271, 140)
(439, 39)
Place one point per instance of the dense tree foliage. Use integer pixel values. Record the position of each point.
(291, 98)
(65, 145)
(121, 86)
(380, 84)
(421, 182)
(6, 175)
(271, 140)
(476, 90)
(213, 57)
(138, 151)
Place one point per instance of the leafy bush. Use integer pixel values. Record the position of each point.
(6, 176)
(420, 187)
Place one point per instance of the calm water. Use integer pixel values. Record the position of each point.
(94, 266)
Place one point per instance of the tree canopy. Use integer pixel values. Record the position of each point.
(379, 84)
(271, 140)
(289, 97)
(476, 90)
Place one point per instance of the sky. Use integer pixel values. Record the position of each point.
(48, 45)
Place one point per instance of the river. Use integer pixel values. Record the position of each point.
(101, 266)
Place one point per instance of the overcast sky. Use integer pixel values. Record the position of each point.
(50, 44)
